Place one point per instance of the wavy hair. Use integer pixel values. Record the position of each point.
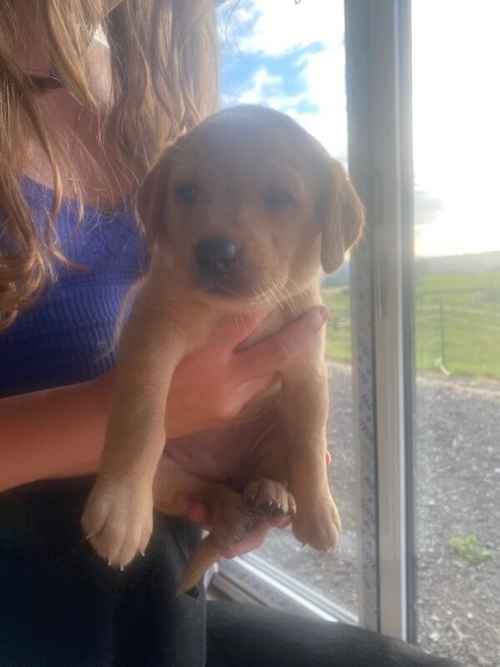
(163, 56)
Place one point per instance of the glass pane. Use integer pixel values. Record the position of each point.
(290, 56)
(457, 316)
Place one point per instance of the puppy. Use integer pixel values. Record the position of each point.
(242, 213)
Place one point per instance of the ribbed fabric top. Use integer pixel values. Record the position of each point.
(66, 337)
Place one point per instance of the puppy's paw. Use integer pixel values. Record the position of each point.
(269, 499)
(317, 523)
(118, 519)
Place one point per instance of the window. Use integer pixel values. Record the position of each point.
(290, 56)
(414, 335)
(457, 328)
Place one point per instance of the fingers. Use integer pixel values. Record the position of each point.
(231, 333)
(275, 352)
(252, 541)
(198, 513)
(280, 521)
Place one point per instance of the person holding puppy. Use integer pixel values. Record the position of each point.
(80, 125)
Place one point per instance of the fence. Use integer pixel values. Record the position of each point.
(457, 331)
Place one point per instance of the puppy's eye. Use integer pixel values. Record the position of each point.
(187, 193)
(279, 200)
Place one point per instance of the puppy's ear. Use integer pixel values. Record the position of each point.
(151, 200)
(342, 217)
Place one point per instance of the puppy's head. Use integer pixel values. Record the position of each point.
(248, 206)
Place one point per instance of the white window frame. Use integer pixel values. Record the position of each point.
(378, 58)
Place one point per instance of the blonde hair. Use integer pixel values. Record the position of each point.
(164, 81)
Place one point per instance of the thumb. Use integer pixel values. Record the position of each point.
(275, 352)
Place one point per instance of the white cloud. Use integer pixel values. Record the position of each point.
(263, 81)
(283, 25)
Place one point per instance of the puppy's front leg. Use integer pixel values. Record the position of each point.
(119, 512)
(304, 410)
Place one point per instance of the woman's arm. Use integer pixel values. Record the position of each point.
(60, 432)
(53, 433)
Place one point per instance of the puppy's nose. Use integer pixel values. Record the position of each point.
(215, 256)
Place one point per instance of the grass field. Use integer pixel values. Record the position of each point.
(457, 323)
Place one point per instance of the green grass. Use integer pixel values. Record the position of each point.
(469, 550)
(338, 339)
(457, 323)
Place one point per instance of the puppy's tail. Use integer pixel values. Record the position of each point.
(204, 557)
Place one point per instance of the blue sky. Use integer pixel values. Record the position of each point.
(286, 76)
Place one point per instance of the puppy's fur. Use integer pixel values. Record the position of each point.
(242, 213)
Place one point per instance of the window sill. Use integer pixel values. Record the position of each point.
(253, 580)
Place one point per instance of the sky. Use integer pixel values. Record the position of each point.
(291, 57)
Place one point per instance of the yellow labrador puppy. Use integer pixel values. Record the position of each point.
(242, 213)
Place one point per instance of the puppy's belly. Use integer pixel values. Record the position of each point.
(236, 451)
(251, 445)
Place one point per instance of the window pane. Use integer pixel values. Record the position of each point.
(290, 56)
(457, 319)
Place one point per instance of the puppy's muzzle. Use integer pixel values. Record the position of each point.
(216, 261)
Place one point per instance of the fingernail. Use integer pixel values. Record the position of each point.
(142, 553)
(318, 317)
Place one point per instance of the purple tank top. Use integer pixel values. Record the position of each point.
(66, 337)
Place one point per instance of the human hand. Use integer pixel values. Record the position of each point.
(190, 492)
(217, 381)
(200, 513)
(254, 539)
(190, 481)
